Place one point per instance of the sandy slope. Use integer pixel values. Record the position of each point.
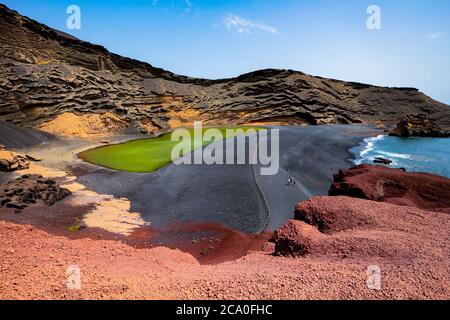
(13, 136)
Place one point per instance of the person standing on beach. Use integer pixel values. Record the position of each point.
(291, 181)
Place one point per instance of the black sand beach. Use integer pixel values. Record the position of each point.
(12, 136)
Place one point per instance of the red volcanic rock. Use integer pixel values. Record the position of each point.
(349, 228)
(409, 245)
(378, 183)
(294, 239)
(330, 214)
(342, 225)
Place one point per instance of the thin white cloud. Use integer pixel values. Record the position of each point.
(242, 25)
(435, 35)
(182, 6)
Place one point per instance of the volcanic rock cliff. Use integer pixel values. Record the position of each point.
(46, 73)
(418, 125)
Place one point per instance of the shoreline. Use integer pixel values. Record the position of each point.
(413, 154)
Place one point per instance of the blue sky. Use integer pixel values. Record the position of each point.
(217, 39)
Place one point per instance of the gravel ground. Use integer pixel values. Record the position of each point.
(409, 245)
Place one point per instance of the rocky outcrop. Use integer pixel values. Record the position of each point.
(31, 190)
(379, 183)
(331, 219)
(292, 239)
(46, 73)
(349, 228)
(395, 207)
(418, 125)
(384, 161)
(12, 161)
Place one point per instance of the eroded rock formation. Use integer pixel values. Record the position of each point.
(46, 73)
(418, 125)
(295, 239)
(12, 161)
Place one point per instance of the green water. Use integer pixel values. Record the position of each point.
(148, 155)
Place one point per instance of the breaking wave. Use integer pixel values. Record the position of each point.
(413, 154)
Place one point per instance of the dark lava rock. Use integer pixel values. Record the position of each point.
(380, 183)
(382, 161)
(30, 190)
(36, 62)
(418, 125)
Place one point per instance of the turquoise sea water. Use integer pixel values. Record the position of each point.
(414, 154)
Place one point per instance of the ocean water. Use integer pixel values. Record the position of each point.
(414, 154)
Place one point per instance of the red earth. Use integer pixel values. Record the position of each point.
(411, 246)
(379, 183)
(326, 253)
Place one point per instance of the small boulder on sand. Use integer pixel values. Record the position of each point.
(12, 161)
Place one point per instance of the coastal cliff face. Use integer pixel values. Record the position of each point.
(418, 125)
(47, 73)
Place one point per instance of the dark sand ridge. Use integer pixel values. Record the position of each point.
(227, 194)
(12, 136)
